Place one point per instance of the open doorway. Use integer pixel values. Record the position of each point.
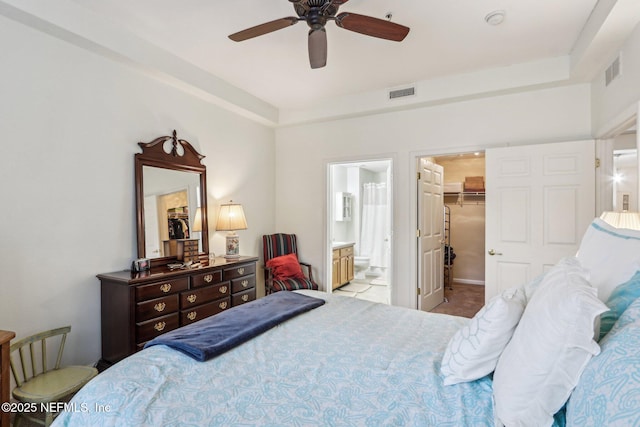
(359, 219)
(461, 270)
(625, 171)
(617, 186)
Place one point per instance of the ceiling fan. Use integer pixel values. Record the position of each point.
(316, 13)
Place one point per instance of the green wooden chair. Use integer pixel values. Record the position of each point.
(37, 384)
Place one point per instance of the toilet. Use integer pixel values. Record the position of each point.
(360, 265)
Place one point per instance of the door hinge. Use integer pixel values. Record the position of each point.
(418, 233)
(597, 163)
(418, 176)
(418, 289)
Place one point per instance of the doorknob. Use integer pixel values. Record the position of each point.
(493, 252)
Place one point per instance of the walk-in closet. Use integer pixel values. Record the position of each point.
(464, 217)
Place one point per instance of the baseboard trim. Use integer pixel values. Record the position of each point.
(469, 281)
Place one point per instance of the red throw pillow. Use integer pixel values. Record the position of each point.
(285, 267)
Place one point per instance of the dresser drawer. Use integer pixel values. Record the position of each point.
(239, 270)
(190, 245)
(156, 307)
(160, 289)
(203, 311)
(187, 250)
(206, 279)
(243, 283)
(152, 328)
(200, 296)
(242, 297)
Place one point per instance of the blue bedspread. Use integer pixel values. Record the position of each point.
(348, 363)
(215, 335)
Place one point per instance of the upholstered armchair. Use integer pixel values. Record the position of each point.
(283, 271)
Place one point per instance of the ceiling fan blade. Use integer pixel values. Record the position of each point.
(370, 26)
(262, 29)
(318, 48)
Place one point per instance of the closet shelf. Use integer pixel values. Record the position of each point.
(466, 197)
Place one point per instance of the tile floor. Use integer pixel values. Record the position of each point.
(376, 291)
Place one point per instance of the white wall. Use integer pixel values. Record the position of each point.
(617, 102)
(70, 125)
(302, 153)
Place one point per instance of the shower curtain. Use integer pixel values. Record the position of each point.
(375, 224)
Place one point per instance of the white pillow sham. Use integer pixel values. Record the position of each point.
(549, 349)
(474, 350)
(611, 255)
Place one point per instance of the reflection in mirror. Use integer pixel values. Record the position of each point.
(171, 200)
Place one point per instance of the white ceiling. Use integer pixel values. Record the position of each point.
(447, 37)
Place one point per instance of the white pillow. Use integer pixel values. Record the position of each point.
(474, 350)
(549, 349)
(611, 255)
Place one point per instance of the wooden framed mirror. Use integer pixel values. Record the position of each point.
(171, 201)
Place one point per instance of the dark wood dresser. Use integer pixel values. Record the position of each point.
(137, 307)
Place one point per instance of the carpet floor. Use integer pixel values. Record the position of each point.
(463, 300)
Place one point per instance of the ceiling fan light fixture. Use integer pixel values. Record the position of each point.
(495, 18)
(316, 13)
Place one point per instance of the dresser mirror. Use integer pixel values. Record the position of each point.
(171, 200)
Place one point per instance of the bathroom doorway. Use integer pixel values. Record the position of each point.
(359, 229)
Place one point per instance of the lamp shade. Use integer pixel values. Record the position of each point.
(197, 221)
(630, 220)
(231, 217)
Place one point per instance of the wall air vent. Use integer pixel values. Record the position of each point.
(400, 93)
(612, 72)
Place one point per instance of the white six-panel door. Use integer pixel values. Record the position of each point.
(431, 235)
(540, 199)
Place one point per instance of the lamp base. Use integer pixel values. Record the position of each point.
(232, 246)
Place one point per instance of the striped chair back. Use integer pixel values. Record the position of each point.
(278, 244)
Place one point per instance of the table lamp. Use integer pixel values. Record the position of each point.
(624, 219)
(231, 218)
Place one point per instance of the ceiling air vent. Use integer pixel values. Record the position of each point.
(400, 93)
(613, 71)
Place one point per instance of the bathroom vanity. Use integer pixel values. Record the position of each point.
(342, 267)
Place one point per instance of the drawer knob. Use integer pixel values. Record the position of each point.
(241, 270)
(192, 315)
(223, 289)
(192, 298)
(244, 283)
(166, 287)
(159, 326)
(223, 305)
(160, 306)
(245, 297)
(208, 278)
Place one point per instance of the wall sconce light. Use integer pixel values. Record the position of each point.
(231, 218)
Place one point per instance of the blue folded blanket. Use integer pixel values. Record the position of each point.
(214, 335)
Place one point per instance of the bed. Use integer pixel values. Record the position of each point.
(351, 362)
(348, 362)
